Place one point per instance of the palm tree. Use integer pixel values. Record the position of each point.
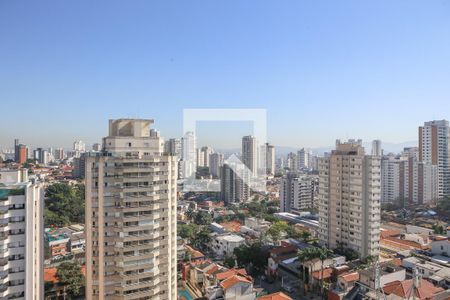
(322, 253)
(304, 255)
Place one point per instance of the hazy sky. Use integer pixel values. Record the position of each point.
(322, 69)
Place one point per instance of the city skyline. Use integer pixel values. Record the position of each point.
(288, 60)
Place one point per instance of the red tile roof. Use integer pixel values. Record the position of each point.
(275, 296)
(231, 272)
(233, 280)
(349, 277)
(404, 289)
(326, 274)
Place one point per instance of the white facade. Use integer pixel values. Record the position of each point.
(296, 192)
(224, 245)
(349, 199)
(390, 179)
(21, 237)
(188, 155)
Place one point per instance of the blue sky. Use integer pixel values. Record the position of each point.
(322, 69)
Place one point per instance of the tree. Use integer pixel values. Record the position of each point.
(277, 229)
(201, 239)
(438, 228)
(70, 276)
(229, 262)
(202, 218)
(304, 255)
(187, 231)
(252, 256)
(306, 235)
(64, 204)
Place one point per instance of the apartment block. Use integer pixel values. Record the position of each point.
(349, 199)
(297, 192)
(434, 149)
(131, 216)
(21, 236)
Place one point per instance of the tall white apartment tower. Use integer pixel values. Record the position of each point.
(349, 199)
(303, 158)
(131, 216)
(233, 183)
(188, 154)
(376, 148)
(434, 145)
(21, 236)
(250, 153)
(215, 162)
(269, 151)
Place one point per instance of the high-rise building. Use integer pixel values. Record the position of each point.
(188, 155)
(269, 156)
(21, 237)
(16, 150)
(173, 147)
(349, 199)
(250, 153)
(434, 149)
(78, 148)
(215, 163)
(292, 162)
(204, 154)
(97, 147)
(303, 159)
(376, 148)
(59, 154)
(297, 192)
(131, 216)
(22, 152)
(390, 178)
(233, 183)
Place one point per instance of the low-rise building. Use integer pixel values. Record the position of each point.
(224, 245)
(441, 246)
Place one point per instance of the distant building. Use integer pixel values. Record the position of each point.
(215, 163)
(233, 183)
(297, 192)
(250, 153)
(376, 148)
(303, 159)
(97, 147)
(269, 151)
(188, 155)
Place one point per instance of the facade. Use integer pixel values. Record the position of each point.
(297, 192)
(131, 216)
(292, 162)
(233, 186)
(215, 163)
(250, 153)
(21, 236)
(349, 199)
(434, 149)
